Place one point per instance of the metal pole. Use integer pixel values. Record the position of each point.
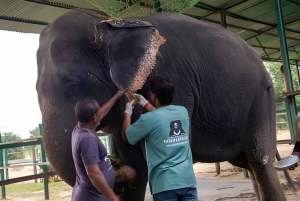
(45, 168)
(34, 161)
(297, 67)
(6, 163)
(286, 66)
(157, 6)
(223, 20)
(246, 175)
(2, 172)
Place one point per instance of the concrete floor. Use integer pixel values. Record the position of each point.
(229, 190)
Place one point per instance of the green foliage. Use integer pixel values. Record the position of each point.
(35, 132)
(279, 87)
(13, 153)
(134, 8)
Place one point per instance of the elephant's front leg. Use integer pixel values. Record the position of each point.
(133, 156)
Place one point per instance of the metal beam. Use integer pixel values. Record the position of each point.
(54, 4)
(238, 27)
(17, 19)
(26, 178)
(294, 2)
(212, 8)
(62, 5)
(274, 27)
(262, 47)
(273, 48)
(227, 7)
(296, 51)
(8, 145)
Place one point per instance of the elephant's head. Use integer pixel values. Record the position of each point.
(83, 56)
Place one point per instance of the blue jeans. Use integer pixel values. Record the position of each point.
(183, 194)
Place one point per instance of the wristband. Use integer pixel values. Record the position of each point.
(146, 105)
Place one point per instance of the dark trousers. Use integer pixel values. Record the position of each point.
(183, 194)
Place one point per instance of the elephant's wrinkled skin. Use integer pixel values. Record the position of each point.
(218, 77)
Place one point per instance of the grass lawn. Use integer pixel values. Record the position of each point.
(31, 189)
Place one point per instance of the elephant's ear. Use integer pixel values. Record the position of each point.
(132, 52)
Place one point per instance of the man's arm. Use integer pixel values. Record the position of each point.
(109, 104)
(99, 181)
(149, 107)
(126, 125)
(127, 120)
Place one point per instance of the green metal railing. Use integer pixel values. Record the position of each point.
(4, 178)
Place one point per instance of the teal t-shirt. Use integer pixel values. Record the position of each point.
(166, 131)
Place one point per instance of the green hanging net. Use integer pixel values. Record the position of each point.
(135, 8)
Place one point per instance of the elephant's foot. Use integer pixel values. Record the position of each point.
(125, 173)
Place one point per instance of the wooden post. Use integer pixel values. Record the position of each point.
(218, 168)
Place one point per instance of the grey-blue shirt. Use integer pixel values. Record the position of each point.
(87, 149)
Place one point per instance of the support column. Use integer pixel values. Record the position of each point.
(291, 102)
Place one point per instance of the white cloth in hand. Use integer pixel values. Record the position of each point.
(129, 107)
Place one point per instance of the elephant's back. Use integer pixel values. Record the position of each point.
(218, 77)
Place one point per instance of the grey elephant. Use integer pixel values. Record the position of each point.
(218, 77)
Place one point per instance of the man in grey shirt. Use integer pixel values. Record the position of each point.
(95, 176)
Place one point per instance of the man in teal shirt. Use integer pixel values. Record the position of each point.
(166, 132)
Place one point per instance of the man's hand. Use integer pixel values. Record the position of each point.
(129, 107)
(141, 100)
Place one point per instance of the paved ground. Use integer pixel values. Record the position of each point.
(229, 190)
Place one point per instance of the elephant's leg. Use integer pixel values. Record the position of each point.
(242, 162)
(133, 156)
(267, 180)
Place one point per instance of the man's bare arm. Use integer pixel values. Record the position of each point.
(104, 109)
(99, 181)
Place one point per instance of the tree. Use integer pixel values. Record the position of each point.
(35, 132)
(13, 153)
(279, 87)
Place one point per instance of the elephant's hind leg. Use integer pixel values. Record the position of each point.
(268, 184)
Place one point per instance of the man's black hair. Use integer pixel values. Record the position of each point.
(85, 109)
(163, 88)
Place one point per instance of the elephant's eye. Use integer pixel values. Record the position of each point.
(72, 89)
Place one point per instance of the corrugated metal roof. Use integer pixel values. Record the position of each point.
(255, 22)
(252, 20)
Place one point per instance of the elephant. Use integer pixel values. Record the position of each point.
(217, 76)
